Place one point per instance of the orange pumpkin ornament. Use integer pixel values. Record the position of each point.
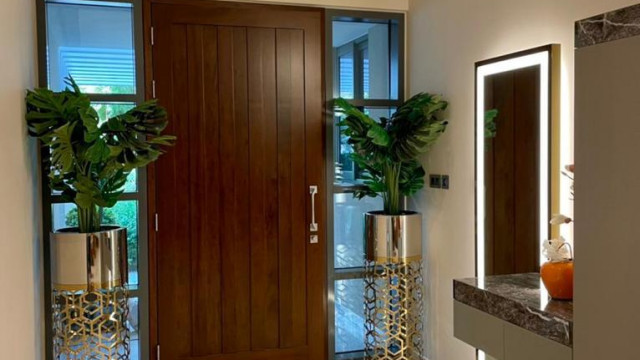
(558, 279)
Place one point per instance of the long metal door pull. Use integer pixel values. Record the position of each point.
(313, 190)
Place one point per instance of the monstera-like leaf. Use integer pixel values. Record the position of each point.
(387, 150)
(89, 162)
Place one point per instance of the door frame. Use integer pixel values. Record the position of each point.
(316, 175)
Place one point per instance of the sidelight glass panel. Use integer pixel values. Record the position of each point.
(379, 112)
(108, 110)
(64, 215)
(131, 186)
(367, 70)
(349, 228)
(344, 167)
(346, 75)
(132, 182)
(370, 71)
(349, 312)
(366, 78)
(94, 44)
(135, 349)
(133, 319)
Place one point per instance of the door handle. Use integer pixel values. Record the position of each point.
(313, 190)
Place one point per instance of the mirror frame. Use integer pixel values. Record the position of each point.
(548, 58)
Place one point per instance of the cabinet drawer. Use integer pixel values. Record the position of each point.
(520, 344)
(479, 329)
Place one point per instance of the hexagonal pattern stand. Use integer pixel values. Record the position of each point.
(393, 310)
(91, 324)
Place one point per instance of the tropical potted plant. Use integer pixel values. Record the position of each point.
(388, 151)
(88, 164)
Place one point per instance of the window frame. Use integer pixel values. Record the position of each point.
(141, 290)
(331, 88)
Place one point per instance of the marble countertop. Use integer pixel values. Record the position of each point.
(520, 299)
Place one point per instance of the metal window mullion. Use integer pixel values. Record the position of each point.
(379, 103)
(374, 17)
(353, 355)
(57, 199)
(114, 98)
(358, 87)
(91, 2)
(143, 216)
(347, 189)
(349, 274)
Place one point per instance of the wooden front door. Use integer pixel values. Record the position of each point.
(236, 276)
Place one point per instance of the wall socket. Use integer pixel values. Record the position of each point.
(444, 181)
(435, 181)
(439, 181)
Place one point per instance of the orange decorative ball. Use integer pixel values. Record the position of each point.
(558, 279)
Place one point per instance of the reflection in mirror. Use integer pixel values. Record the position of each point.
(514, 121)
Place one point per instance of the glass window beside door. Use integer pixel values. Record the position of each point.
(94, 42)
(366, 71)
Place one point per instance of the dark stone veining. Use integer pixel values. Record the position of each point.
(614, 25)
(516, 299)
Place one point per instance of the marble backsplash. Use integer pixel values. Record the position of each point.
(610, 26)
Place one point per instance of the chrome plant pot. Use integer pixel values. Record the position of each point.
(88, 275)
(393, 286)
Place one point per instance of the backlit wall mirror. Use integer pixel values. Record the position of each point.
(517, 159)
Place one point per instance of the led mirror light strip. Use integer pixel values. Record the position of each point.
(541, 59)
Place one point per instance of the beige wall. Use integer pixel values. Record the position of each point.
(446, 38)
(20, 273)
(379, 5)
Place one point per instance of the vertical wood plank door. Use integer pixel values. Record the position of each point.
(512, 173)
(236, 276)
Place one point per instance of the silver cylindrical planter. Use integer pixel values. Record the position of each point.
(393, 286)
(88, 275)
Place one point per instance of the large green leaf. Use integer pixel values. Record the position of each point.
(390, 147)
(62, 153)
(365, 128)
(89, 163)
(88, 193)
(416, 125)
(98, 152)
(411, 178)
(89, 119)
(163, 140)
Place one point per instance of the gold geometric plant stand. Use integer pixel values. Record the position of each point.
(91, 325)
(89, 297)
(393, 298)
